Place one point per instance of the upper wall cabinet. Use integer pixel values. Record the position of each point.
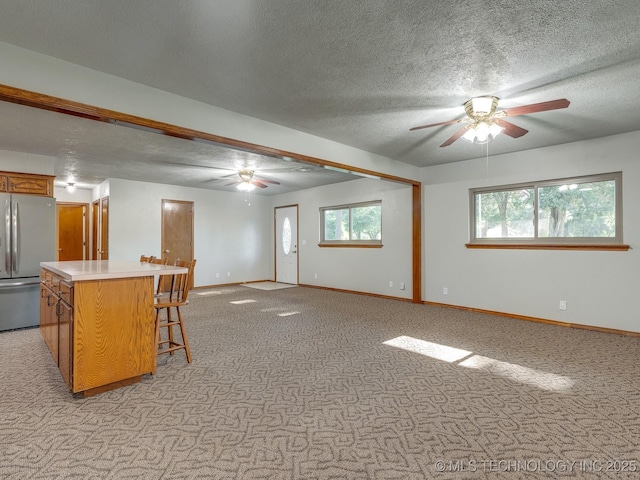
(12, 182)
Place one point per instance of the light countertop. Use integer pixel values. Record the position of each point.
(107, 269)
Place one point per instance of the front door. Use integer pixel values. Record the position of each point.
(286, 230)
(72, 231)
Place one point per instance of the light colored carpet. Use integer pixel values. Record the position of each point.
(304, 383)
(268, 285)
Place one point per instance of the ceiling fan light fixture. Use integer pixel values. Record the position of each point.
(245, 186)
(481, 106)
(246, 175)
(495, 130)
(482, 132)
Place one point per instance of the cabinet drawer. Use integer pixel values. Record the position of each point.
(65, 290)
(46, 277)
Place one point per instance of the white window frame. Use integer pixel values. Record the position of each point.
(536, 240)
(350, 242)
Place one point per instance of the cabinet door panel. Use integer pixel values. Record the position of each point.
(31, 184)
(49, 320)
(65, 342)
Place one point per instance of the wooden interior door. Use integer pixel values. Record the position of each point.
(177, 230)
(72, 231)
(103, 253)
(95, 209)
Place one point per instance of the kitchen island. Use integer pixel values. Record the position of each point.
(98, 320)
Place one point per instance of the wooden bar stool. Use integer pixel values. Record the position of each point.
(163, 279)
(176, 297)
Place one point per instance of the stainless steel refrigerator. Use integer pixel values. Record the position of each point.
(27, 237)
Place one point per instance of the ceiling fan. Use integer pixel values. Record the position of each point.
(484, 122)
(248, 181)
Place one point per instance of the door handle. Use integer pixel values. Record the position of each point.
(20, 284)
(7, 238)
(14, 253)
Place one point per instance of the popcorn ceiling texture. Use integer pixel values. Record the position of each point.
(362, 73)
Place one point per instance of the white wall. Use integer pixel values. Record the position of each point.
(600, 287)
(359, 269)
(229, 236)
(81, 195)
(26, 163)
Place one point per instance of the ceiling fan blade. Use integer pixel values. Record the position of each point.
(264, 180)
(232, 183)
(208, 167)
(454, 137)
(436, 124)
(223, 177)
(258, 183)
(510, 129)
(536, 107)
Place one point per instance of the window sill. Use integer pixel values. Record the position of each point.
(551, 246)
(350, 245)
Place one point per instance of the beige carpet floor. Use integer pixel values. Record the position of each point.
(304, 383)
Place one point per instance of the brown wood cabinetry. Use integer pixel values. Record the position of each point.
(48, 320)
(29, 183)
(64, 312)
(101, 332)
(56, 321)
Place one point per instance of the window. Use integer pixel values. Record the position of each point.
(565, 211)
(357, 224)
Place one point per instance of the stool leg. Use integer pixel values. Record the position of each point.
(159, 329)
(170, 330)
(184, 336)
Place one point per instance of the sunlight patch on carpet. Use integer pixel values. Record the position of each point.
(430, 349)
(524, 375)
(268, 285)
(465, 358)
(206, 294)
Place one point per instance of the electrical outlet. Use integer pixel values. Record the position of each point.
(562, 305)
(401, 285)
(217, 274)
(445, 291)
(315, 275)
(228, 274)
(391, 283)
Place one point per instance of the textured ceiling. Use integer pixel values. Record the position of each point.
(363, 72)
(88, 152)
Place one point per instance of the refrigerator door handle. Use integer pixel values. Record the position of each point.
(7, 236)
(14, 253)
(19, 284)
